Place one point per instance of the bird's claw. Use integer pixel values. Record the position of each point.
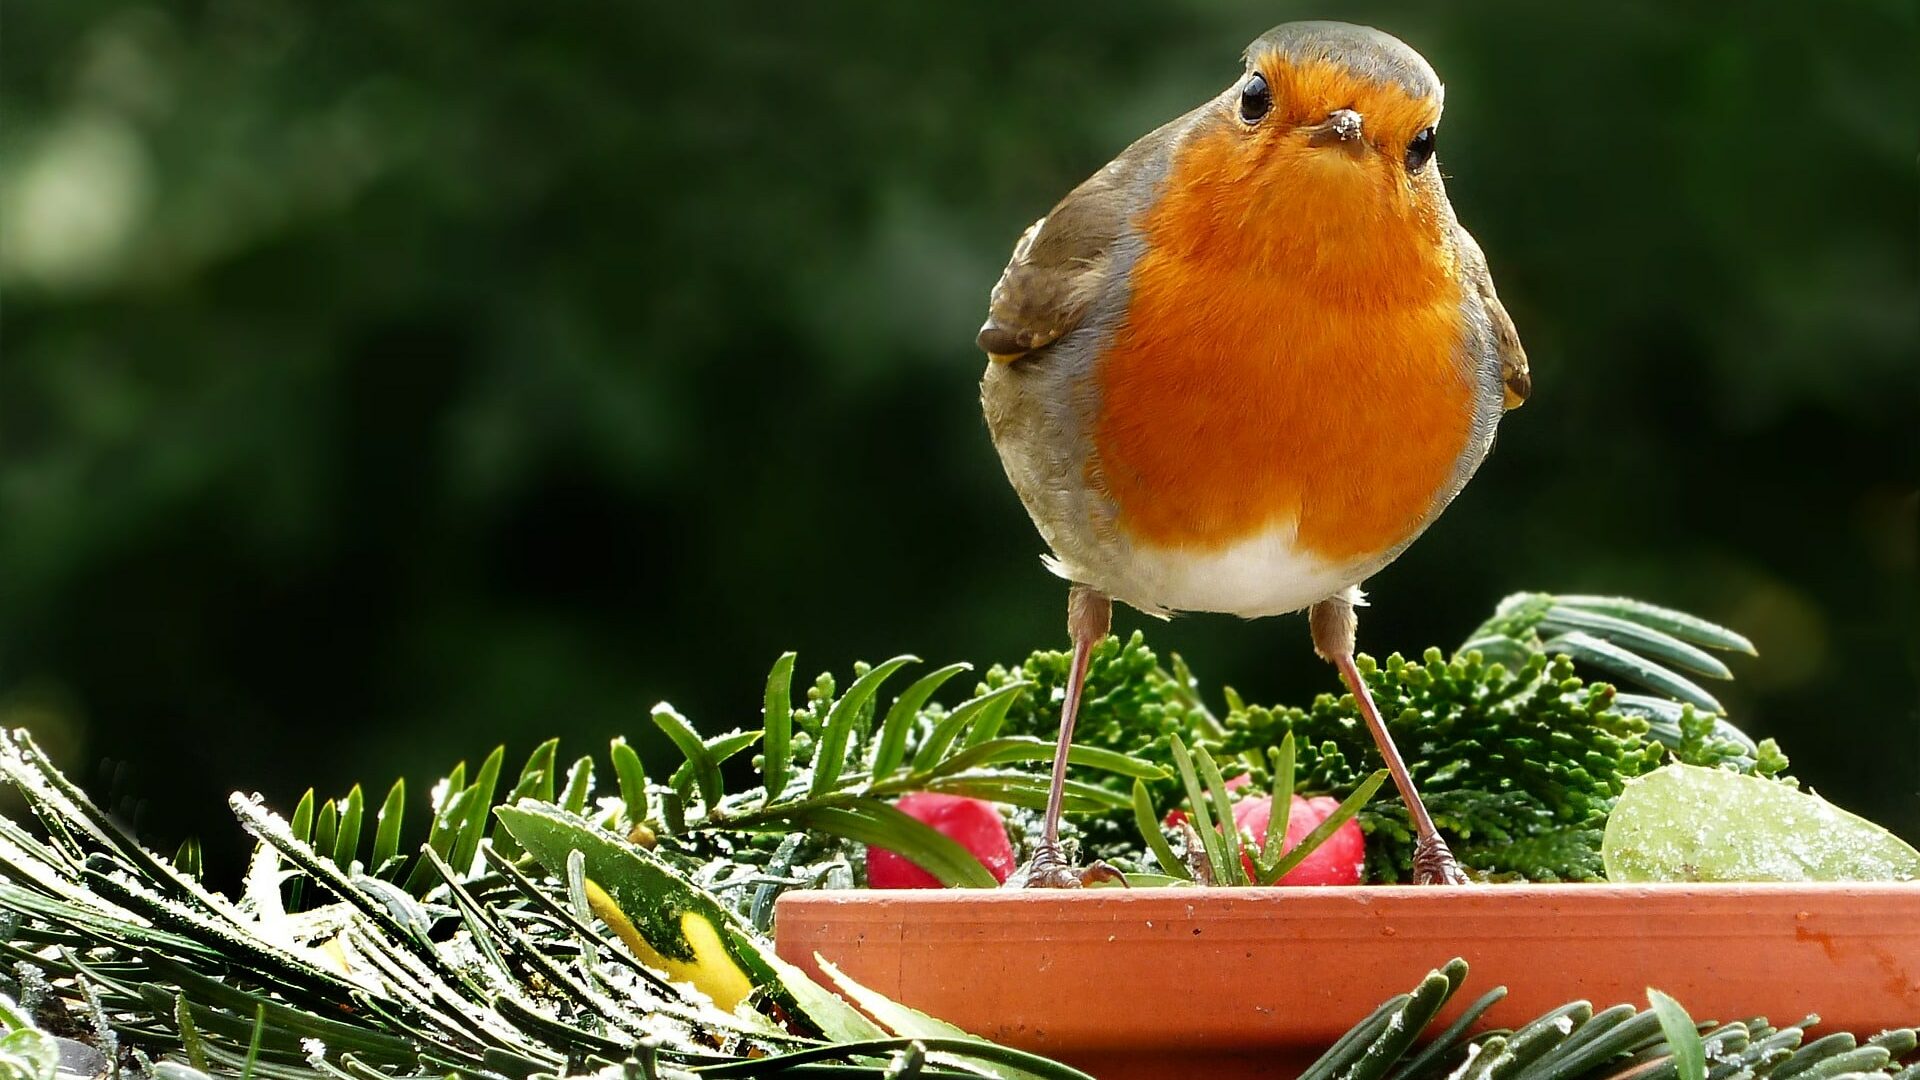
(1050, 870)
(1434, 864)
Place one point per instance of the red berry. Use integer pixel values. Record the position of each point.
(973, 824)
(1341, 860)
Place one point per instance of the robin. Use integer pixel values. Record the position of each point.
(1244, 365)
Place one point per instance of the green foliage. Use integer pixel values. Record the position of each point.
(1632, 640)
(1698, 738)
(829, 774)
(1688, 823)
(491, 972)
(1132, 706)
(1683, 1036)
(841, 761)
(1573, 1042)
(1274, 864)
(512, 969)
(1518, 757)
(1217, 852)
(1520, 768)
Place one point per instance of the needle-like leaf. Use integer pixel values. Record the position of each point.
(1677, 623)
(346, 842)
(1635, 637)
(537, 777)
(1273, 845)
(705, 771)
(326, 826)
(1235, 871)
(474, 818)
(1683, 1037)
(1010, 748)
(1404, 1028)
(830, 755)
(890, 749)
(1202, 817)
(989, 708)
(1149, 828)
(386, 833)
(876, 823)
(573, 797)
(1342, 814)
(777, 713)
(632, 777)
(1026, 789)
(1633, 667)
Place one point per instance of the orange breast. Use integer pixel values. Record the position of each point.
(1247, 390)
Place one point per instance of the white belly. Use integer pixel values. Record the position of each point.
(1265, 574)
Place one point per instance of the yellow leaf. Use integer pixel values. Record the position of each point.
(712, 968)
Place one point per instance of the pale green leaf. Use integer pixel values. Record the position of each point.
(1683, 1036)
(1687, 823)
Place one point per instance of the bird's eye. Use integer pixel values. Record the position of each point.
(1420, 150)
(1255, 98)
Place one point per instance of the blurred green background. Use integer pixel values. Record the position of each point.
(383, 382)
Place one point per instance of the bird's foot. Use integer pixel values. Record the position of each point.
(1434, 864)
(1050, 870)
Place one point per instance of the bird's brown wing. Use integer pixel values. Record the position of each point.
(1060, 267)
(1515, 376)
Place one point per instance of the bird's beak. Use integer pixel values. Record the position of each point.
(1341, 128)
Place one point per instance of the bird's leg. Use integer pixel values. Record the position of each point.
(1334, 622)
(1089, 615)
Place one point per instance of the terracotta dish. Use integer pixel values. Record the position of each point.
(1257, 982)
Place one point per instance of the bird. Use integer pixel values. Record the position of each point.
(1244, 365)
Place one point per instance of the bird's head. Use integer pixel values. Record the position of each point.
(1322, 152)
